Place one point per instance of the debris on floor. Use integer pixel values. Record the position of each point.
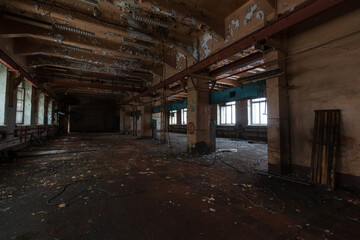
(116, 190)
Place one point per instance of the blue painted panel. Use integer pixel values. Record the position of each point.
(156, 109)
(138, 113)
(178, 106)
(248, 91)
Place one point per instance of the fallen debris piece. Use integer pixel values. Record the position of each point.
(226, 150)
(40, 153)
(62, 205)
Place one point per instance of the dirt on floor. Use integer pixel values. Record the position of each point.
(110, 186)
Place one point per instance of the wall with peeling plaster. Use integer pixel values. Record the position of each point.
(326, 77)
(244, 21)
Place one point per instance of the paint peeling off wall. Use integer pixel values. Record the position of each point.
(250, 14)
(180, 60)
(205, 49)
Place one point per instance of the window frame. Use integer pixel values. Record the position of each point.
(173, 119)
(183, 119)
(50, 114)
(252, 102)
(222, 115)
(41, 96)
(4, 92)
(20, 87)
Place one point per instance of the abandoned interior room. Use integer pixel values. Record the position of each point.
(179, 119)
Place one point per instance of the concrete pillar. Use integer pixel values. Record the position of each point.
(164, 122)
(241, 116)
(146, 121)
(178, 117)
(198, 114)
(125, 121)
(278, 116)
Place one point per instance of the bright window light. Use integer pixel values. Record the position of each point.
(40, 109)
(227, 114)
(173, 117)
(50, 112)
(184, 116)
(20, 104)
(28, 103)
(3, 81)
(257, 111)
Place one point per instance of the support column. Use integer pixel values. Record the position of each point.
(146, 121)
(125, 121)
(198, 115)
(278, 116)
(164, 138)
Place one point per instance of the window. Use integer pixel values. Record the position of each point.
(20, 104)
(3, 81)
(184, 116)
(56, 116)
(50, 112)
(257, 111)
(40, 109)
(173, 117)
(28, 103)
(226, 114)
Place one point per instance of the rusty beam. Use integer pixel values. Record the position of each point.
(13, 66)
(299, 15)
(237, 64)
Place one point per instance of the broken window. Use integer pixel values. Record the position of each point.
(3, 80)
(257, 111)
(40, 109)
(173, 117)
(184, 116)
(226, 114)
(20, 104)
(50, 112)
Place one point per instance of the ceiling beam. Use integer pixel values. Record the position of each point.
(66, 82)
(12, 65)
(110, 47)
(299, 15)
(79, 64)
(237, 64)
(122, 76)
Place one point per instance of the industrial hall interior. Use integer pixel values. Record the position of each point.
(179, 119)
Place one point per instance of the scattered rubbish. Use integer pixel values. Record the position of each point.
(62, 205)
(41, 212)
(4, 209)
(40, 153)
(212, 210)
(226, 150)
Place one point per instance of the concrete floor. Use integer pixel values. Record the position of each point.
(110, 186)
